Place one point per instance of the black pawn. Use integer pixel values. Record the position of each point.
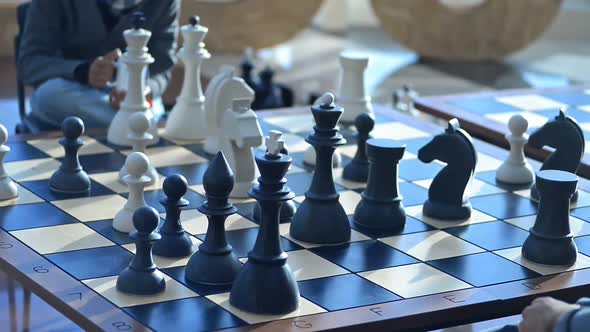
(266, 284)
(381, 205)
(247, 66)
(175, 242)
(287, 209)
(137, 20)
(358, 168)
(215, 262)
(550, 241)
(321, 218)
(142, 277)
(70, 178)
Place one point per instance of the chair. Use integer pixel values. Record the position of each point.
(28, 125)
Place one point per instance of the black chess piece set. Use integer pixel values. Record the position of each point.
(267, 93)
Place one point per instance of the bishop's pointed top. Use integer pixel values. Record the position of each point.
(218, 179)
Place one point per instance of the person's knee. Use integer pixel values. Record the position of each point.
(54, 94)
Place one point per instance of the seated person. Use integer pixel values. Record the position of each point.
(546, 314)
(68, 51)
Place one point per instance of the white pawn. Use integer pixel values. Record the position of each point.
(137, 164)
(8, 189)
(515, 169)
(139, 124)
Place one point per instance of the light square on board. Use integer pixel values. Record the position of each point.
(397, 131)
(293, 123)
(431, 245)
(111, 181)
(530, 102)
(577, 226)
(60, 238)
(486, 163)
(349, 200)
(307, 265)
(194, 222)
(31, 170)
(515, 255)
(170, 155)
(293, 143)
(355, 236)
(92, 208)
(476, 217)
(475, 188)
(167, 262)
(24, 197)
(52, 147)
(534, 120)
(414, 280)
(200, 189)
(305, 308)
(107, 287)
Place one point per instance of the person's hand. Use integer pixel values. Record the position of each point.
(102, 69)
(117, 96)
(543, 313)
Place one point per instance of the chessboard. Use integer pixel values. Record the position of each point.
(486, 114)
(431, 274)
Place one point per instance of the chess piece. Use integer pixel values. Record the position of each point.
(403, 99)
(214, 262)
(266, 284)
(142, 277)
(309, 158)
(137, 165)
(268, 94)
(174, 242)
(211, 145)
(140, 138)
(321, 218)
(288, 208)
(70, 178)
(358, 169)
(8, 188)
(187, 119)
(227, 88)
(240, 133)
(381, 205)
(136, 58)
(567, 138)
(447, 198)
(352, 94)
(247, 67)
(550, 241)
(515, 169)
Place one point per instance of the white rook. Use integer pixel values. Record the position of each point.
(352, 95)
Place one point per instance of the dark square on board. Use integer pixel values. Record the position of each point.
(344, 291)
(102, 163)
(190, 314)
(483, 269)
(23, 151)
(504, 205)
(26, 216)
(93, 263)
(192, 172)
(493, 235)
(105, 228)
(414, 169)
(242, 241)
(41, 188)
(364, 255)
(178, 273)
